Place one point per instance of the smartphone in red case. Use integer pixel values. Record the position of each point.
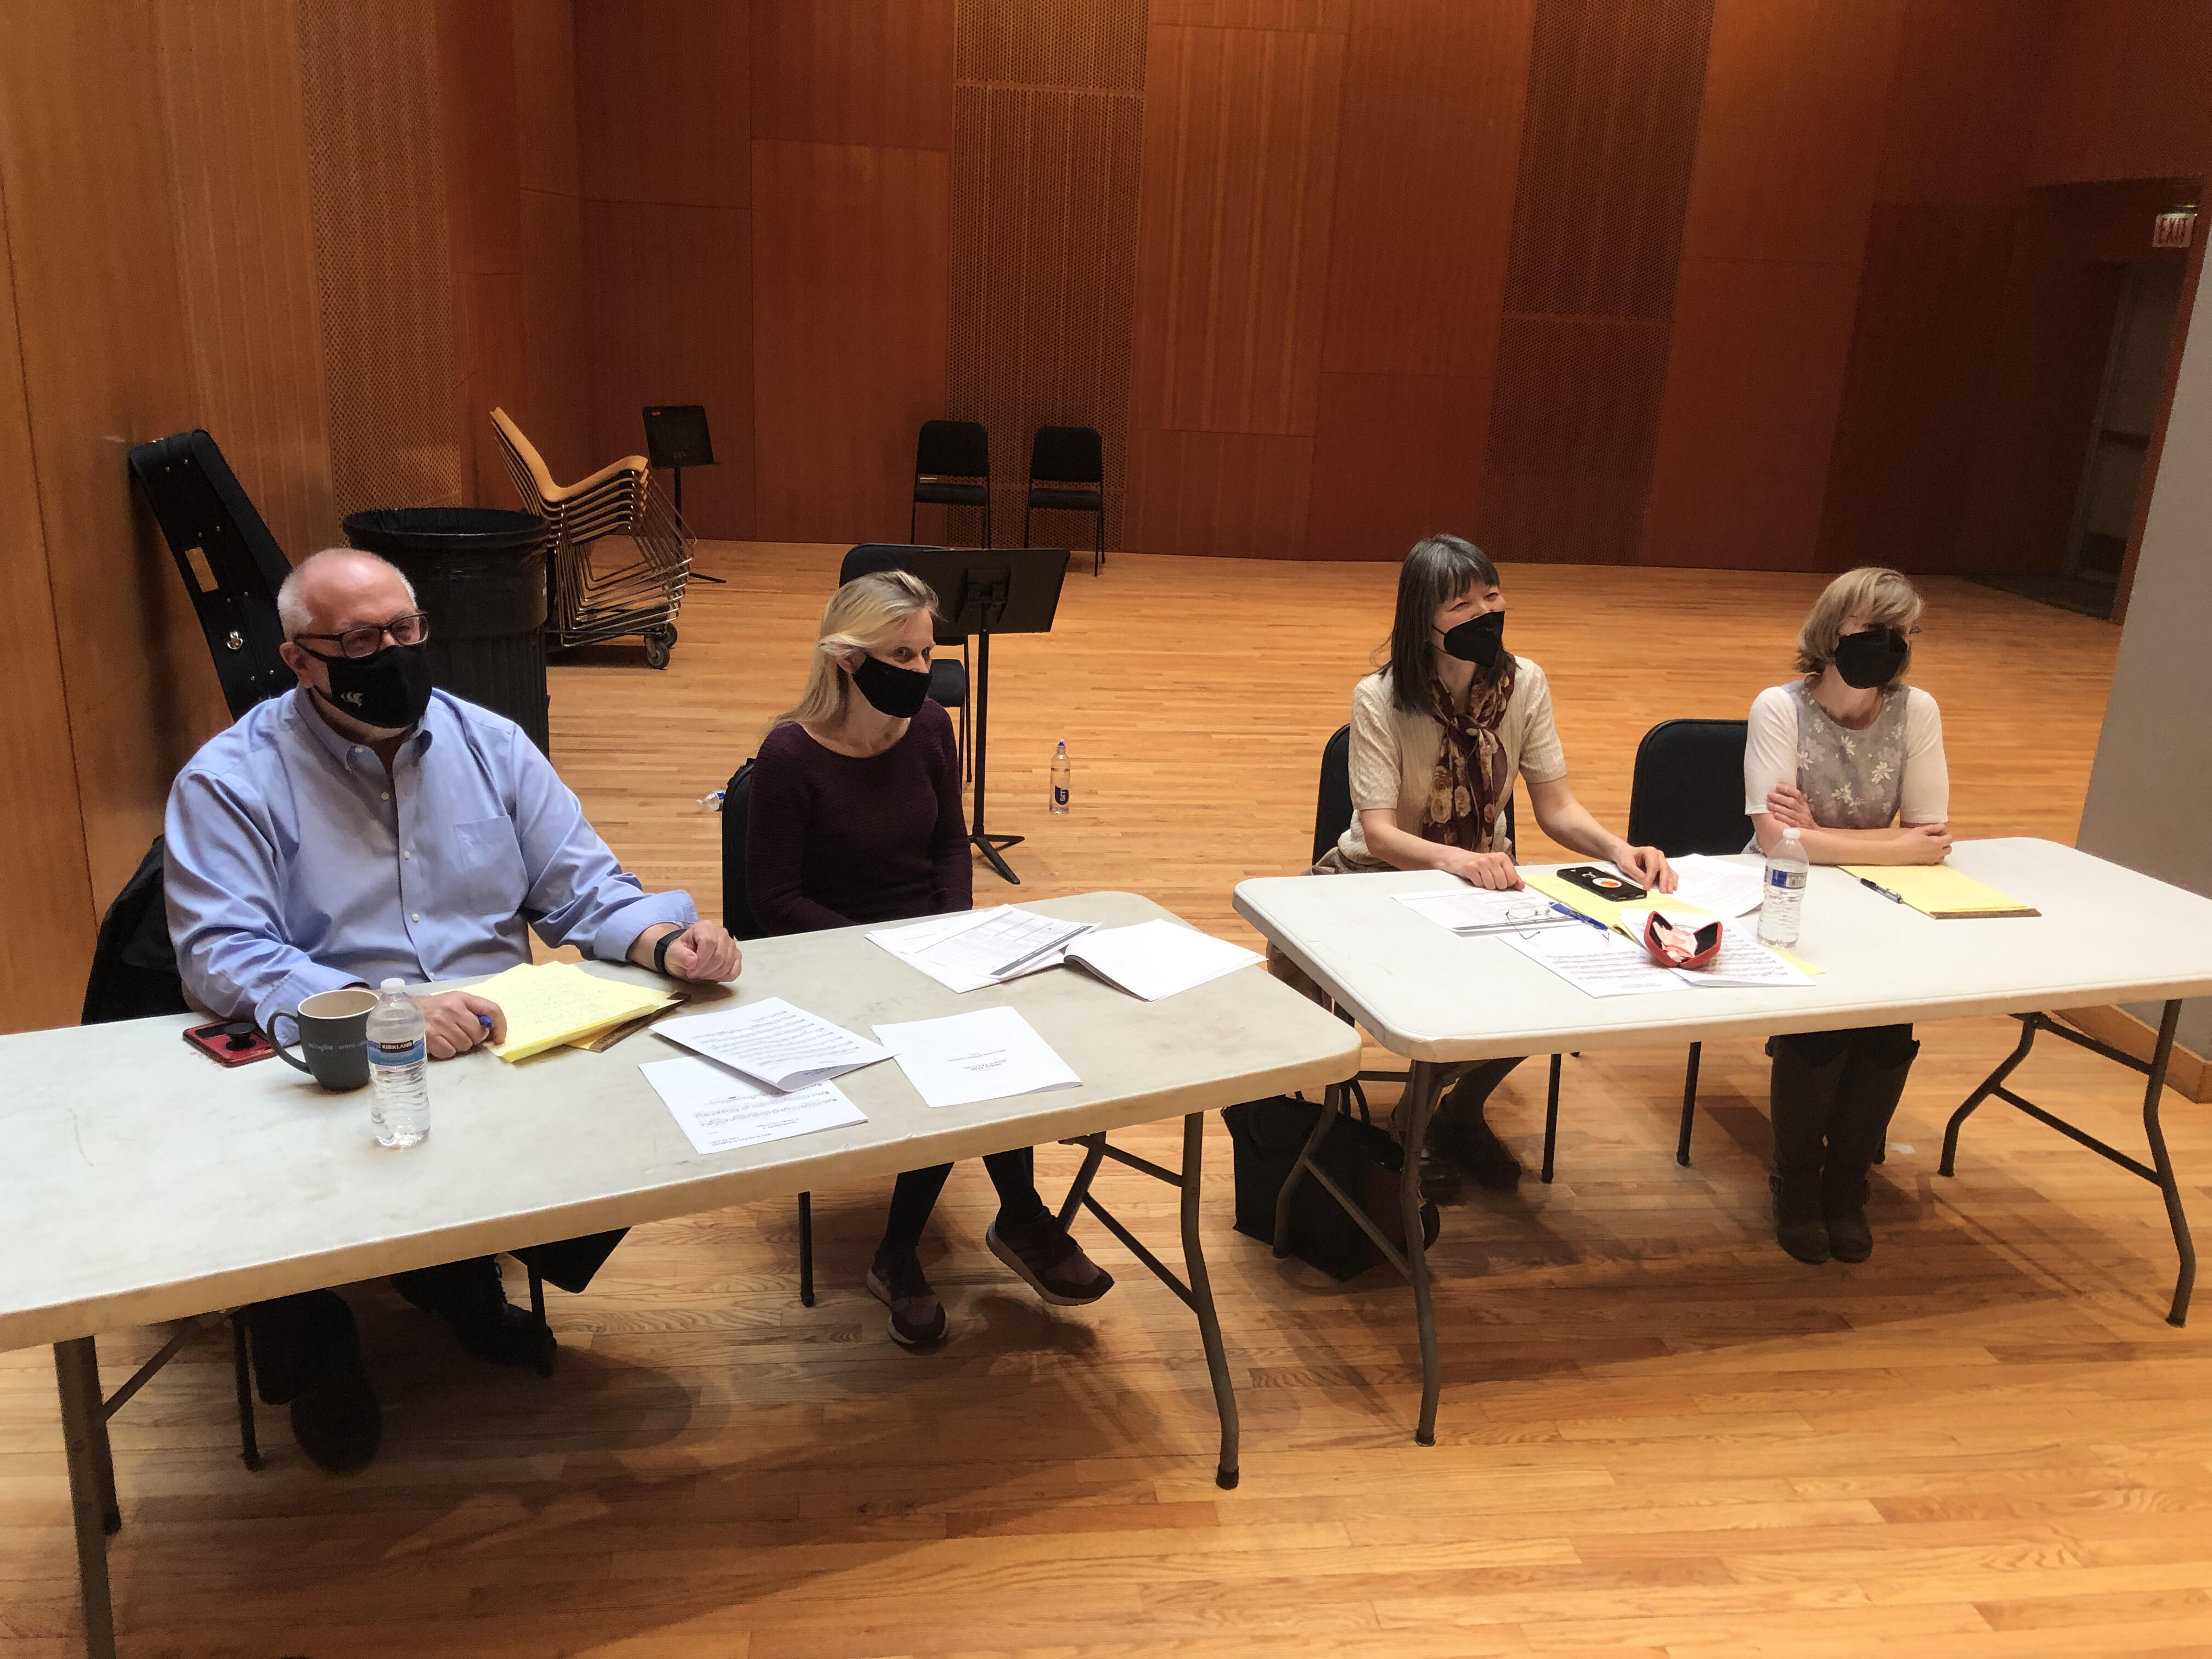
(229, 1042)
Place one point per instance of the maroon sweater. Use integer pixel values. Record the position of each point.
(833, 839)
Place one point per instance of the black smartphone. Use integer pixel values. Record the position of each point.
(1603, 883)
(229, 1042)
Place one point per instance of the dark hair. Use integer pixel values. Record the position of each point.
(1437, 571)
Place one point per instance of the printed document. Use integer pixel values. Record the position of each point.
(1466, 910)
(1715, 885)
(978, 948)
(1598, 964)
(1742, 963)
(1157, 958)
(770, 1041)
(986, 1055)
(719, 1111)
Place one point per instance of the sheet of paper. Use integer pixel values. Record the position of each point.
(1466, 909)
(984, 947)
(1595, 963)
(1717, 885)
(784, 1047)
(547, 1004)
(719, 1111)
(989, 1054)
(1743, 962)
(1158, 958)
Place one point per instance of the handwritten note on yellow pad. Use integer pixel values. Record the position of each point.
(551, 1003)
(1938, 890)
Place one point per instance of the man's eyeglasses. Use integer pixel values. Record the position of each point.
(368, 640)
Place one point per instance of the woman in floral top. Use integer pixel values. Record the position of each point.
(1850, 757)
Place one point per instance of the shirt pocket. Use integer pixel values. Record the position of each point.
(490, 867)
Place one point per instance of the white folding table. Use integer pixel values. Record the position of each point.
(143, 1183)
(2105, 934)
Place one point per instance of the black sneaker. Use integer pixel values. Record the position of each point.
(1441, 1178)
(896, 1279)
(1047, 1260)
(337, 1422)
(468, 1296)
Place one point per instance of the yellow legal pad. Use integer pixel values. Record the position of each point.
(548, 1004)
(1605, 911)
(1938, 890)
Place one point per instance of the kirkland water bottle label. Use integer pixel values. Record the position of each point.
(1785, 878)
(1059, 797)
(397, 1053)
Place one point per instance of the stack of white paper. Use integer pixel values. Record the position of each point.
(719, 1111)
(1717, 885)
(1466, 909)
(784, 1047)
(1157, 958)
(966, 952)
(985, 1055)
(1598, 964)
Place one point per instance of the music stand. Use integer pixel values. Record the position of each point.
(1006, 590)
(675, 438)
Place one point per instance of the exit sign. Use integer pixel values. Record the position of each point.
(2173, 229)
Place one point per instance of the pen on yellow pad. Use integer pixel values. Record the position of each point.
(1895, 898)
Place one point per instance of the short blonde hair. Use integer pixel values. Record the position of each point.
(865, 612)
(1884, 597)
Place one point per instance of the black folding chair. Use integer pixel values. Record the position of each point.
(1686, 796)
(952, 468)
(948, 680)
(1062, 456)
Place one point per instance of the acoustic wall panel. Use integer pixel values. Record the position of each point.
(1232, 261)
(368, 79)
(849, 271)
(1047, 133)
(1426, 163)
(1607, 145)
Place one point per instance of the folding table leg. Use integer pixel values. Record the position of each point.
(2185, 1279)
(1202, 1299)
(1421, 1093)
(1322, 1119)
(1689, 1104)
(1990, 1085)
(84, 1439)
(1550, 1120)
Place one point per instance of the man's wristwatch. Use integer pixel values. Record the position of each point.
(660, 950)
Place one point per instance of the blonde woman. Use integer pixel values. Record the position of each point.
(856, 818)
(1850, 757)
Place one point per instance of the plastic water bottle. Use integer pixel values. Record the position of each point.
(1783, 898)
(399, 1061)
(1060, 776)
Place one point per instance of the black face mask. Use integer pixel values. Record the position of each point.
(1871, 659)
(389, 688)
(898, 692)
(1478, 640)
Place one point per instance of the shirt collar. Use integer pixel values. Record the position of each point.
(303, 713)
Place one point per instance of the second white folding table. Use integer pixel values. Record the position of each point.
(2105, 934)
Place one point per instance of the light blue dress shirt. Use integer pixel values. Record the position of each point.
(296, 865)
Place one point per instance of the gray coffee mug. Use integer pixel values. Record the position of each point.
(334, 1038)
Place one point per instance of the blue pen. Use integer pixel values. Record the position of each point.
(1587, 921)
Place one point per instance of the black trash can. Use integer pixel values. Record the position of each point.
(480, 575)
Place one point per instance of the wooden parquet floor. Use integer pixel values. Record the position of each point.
(1659, 1435)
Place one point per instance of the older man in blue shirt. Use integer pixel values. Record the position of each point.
(363, 827)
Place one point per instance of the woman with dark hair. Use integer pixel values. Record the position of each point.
(856, 818)
(1439, 734)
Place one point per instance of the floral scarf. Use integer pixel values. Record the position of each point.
(1472, 782)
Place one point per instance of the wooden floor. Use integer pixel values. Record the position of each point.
(1659, 1435)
